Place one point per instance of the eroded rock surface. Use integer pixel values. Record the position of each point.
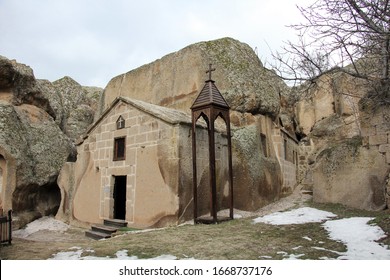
(175, 80)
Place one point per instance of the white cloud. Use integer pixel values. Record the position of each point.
(93, 41)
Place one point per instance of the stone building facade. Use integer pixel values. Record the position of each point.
(135, 164)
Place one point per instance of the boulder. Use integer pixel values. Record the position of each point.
(258, 178)
(75, 106)
(332, 95)
(31, 140)
(32, 146)
(18, 85)
(175, 80)
(350, 174)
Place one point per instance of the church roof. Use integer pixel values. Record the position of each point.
(209, 95)
(168, 115)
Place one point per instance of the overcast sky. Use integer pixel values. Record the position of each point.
(93, 41)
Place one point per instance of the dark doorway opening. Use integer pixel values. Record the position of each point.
(120, 197)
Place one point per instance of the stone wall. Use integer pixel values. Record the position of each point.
(375, 129)
(304, 174)
(287, 153)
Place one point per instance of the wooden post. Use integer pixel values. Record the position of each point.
(9, 226)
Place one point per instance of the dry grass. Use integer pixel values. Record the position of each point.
(237, 239)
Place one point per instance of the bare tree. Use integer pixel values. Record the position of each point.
(352, 36)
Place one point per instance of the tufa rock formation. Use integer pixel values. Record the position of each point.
(344, 154)
(33, 148)
(175, 80)
(252, 91)
(75, 106)
(344, 151)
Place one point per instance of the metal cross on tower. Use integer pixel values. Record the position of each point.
(209, 71)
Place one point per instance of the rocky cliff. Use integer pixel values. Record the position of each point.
(344, 152)
(175, 80)
(74, 106)
(252, 91)
(344, 156)
(38, 121)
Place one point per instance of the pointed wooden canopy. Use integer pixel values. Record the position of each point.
(209, 95)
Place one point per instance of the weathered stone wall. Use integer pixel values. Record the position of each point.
(330, 104)
(350, 174)
(287, 153)
(376, 130)
(375, 127)
(344, 146)
(257, 176)
(304, 174)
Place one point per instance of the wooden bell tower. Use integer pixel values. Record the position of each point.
(210, 105)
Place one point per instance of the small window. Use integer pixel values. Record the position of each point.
(120, 123)
(119, 148)
(264, 145)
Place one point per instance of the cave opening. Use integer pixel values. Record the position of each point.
(43, 200)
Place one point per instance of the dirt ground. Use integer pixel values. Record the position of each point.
(43, 244)
(237, 239)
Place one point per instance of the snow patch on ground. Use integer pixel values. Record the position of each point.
(44, 223)
(296, 216)
(120, 255)
(359, 237)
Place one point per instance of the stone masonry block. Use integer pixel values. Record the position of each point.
(140, 138)
(152, 136)
(368, 131)
(383, 128)
(378, 139)
(384, 148)
(377, 119)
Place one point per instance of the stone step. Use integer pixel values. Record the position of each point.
(96, 234)
(115, 223)
(104, 229)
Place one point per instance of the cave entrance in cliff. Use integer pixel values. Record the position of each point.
(38, 200)
(119, 196)
(211, 105)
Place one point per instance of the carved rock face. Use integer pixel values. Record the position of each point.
(351, 175)
(175, 80)
(38, 149)
(32, 146)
